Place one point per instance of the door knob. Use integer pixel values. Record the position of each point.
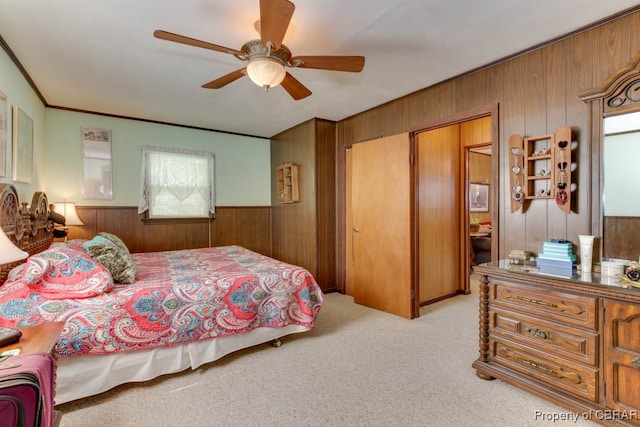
(357, 230)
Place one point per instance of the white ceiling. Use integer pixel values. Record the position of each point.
(101, 56)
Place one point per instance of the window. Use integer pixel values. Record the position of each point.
(176, 183)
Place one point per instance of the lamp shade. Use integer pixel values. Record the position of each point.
(266, 72)
(9, 252)
(68, 210)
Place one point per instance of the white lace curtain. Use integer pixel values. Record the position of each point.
(176, 183)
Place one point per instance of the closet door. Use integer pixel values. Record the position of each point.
(381, 227)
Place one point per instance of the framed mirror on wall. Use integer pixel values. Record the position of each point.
(621, 174)
(615, 138)
(96, 164)
(4, 129)
(22, 146)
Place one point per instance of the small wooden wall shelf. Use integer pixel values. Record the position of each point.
(540, 168)
(287, 183)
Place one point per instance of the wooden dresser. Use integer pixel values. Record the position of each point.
(572, 340)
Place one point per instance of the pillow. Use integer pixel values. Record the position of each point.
(62, 272)
(96, 240)
(120, 265)
(115, 240)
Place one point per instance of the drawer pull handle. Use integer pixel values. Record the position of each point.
(538, 333)
(573, 377)
(537, 302)
(636, 362)
(538, 366)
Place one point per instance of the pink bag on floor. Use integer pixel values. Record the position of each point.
(27, 390)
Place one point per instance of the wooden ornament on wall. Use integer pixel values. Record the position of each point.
(287, 183)
(562, 166)
(540, 168)
(516, 172)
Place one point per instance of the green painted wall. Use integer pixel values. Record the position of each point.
(242, 163)
(19, 93)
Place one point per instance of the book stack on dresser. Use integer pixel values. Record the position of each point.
(557, 257)
(520, 257)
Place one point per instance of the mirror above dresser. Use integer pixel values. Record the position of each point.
(615, 136)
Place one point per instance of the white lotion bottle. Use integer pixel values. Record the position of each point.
(586, 252)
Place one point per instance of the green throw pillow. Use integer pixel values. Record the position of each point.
(120, 265)
(115, 240)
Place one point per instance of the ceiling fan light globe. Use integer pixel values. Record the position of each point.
(266, 72)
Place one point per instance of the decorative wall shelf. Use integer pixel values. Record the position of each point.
(538, 165)
(540, 168)
(287, 183)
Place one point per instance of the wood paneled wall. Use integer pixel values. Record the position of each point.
(621, 237)
(304, 233)
(246, 226)
(536, 92)
(294, 224)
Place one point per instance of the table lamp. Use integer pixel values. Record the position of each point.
(9, 252)
(68, 210)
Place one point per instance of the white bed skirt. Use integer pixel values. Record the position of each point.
(83, 376)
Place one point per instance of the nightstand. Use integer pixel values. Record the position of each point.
(37, 339)
(40, 339)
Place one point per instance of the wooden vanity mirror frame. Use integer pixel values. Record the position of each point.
(615, 96)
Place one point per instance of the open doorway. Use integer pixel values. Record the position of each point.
(439, 215)
(479, 160)
(481, 194)
(456, 203)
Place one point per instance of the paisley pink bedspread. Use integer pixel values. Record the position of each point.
(178, 297)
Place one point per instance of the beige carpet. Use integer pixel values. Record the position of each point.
(359, 367)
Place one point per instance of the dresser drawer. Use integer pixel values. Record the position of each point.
(576, 344)
(555, 371)
(560, 306)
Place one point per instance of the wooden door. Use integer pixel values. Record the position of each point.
(381, 231)
(348, 225)
(438, 211)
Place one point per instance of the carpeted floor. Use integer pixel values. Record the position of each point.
(358, 367)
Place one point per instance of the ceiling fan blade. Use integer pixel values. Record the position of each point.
(275, 16)
(165, 35)
(353, 64)
(225, 80)
(296, 89)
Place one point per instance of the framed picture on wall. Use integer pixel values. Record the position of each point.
(22, 146)
(4, 132)
(478, 197)
(96, 163)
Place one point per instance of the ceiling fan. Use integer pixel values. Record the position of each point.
(267, 56)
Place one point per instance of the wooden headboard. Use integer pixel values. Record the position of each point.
(28, 227)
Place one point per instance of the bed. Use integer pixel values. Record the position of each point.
(183, 308)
